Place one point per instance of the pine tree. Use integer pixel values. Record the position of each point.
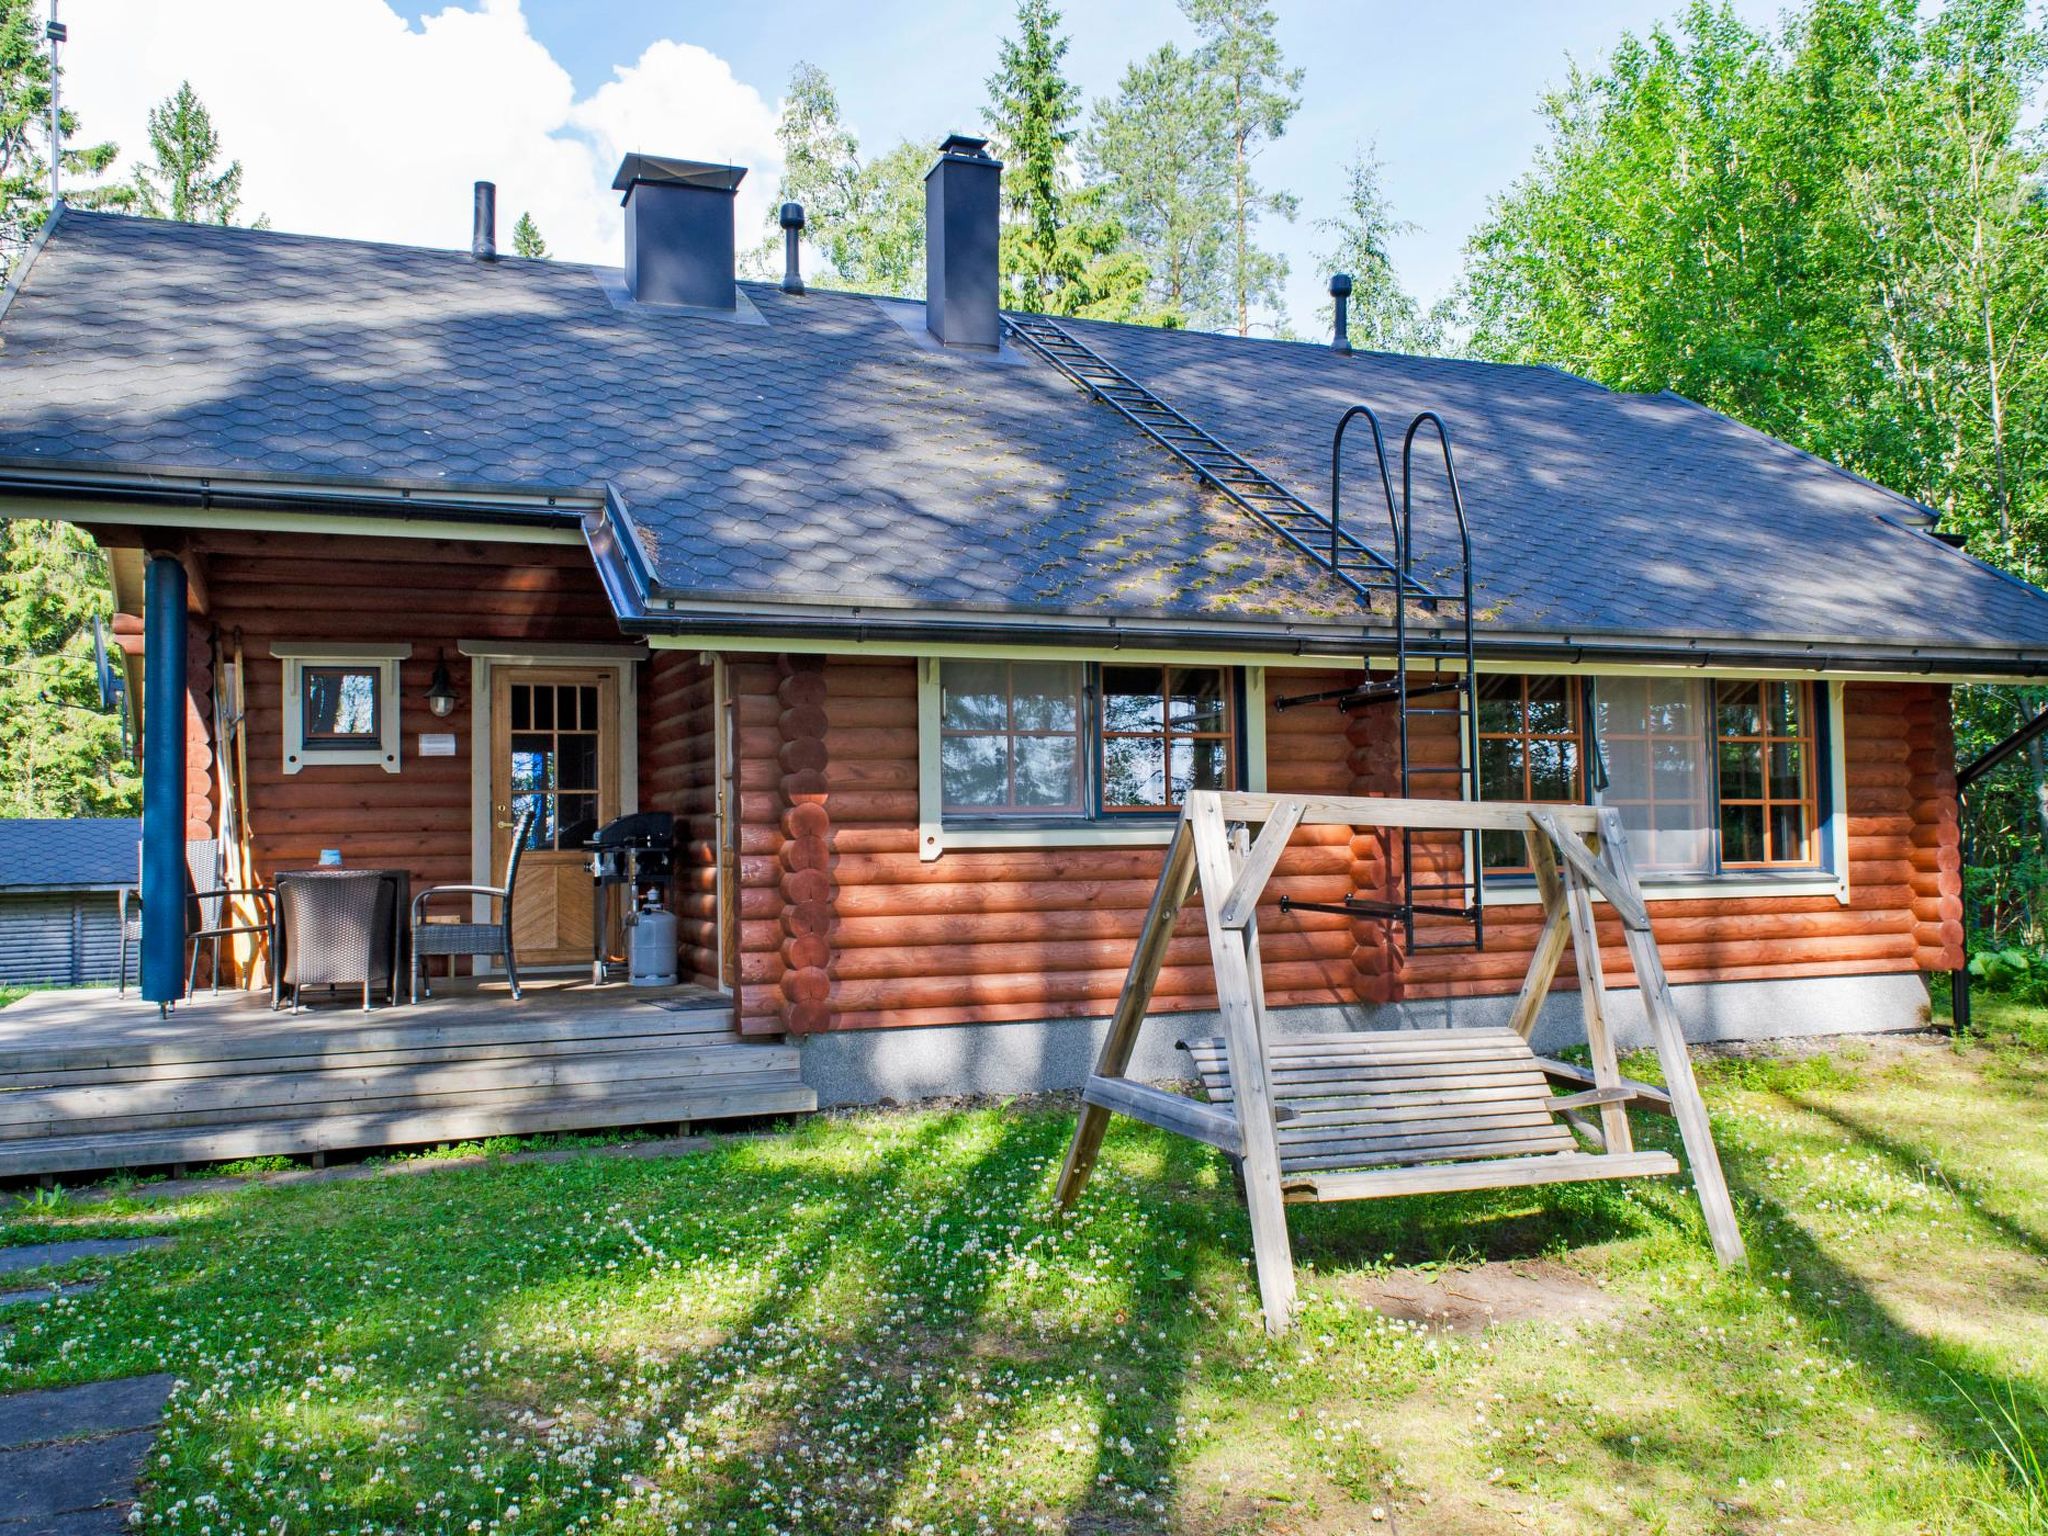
(1258, 95)
(59, 754)
(183, 183)
(1153, 151)
(25, 138)
(526, 239)
(1384, 316)
(1030, 116)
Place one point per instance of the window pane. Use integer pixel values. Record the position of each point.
(340, 704)
(1197, 764)
(1742, 834)
(576, 766)
(975, 770)
(1653, 737)
(1550, 705)
(588, 708)
(538, 836)
(1500, 769)
(976, 695)
(533, 763)
(1134, 771)
(522, 707)
(1131, 699)
(1788, 834)
(543, 709)
(575, 820)
(1046, 696)
(1196, 703)
(1742, 770)
(1737, 709)
(1787, 718)
(1553, 769)
(1788, 770)
(1500, 703)
(1049, 771)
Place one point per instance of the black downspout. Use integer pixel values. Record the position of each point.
(1959, 981)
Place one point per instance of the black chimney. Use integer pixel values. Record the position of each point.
(1340, 290)
(483, 229)
(962, 225)
(792, 233)
(678, 230)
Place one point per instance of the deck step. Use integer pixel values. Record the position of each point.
(85, 1107)
(404, 1127)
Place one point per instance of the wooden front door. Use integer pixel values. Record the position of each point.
(554, 750)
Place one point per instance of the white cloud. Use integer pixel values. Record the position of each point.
(349, 121)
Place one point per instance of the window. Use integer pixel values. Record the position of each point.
(1010, 737)
(340, 704)
(1529, 736)
(1764, 767)
(1027, 739)
(1165, 731)
(1652, 739)
(557, 732)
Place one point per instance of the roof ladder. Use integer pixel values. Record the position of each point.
(1433, 683)
(1321, 537)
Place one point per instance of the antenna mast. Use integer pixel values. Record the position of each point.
(56, 33)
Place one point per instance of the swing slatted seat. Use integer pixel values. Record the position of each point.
(1365, 1114)
(1437, 1109)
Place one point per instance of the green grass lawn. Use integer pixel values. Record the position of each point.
(871, 1323)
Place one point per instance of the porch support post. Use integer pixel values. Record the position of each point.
(163, 781)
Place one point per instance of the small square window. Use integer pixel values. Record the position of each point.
(341, 706)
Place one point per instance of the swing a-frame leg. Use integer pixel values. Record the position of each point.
(1376, 1113)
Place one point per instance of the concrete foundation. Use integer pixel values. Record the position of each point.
(867, 1066)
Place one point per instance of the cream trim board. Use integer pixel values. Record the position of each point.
(513, 653)
(337, 650)
(1730, 888)
(1255, 729)
(1093, 834)
(1837, 830)
(388, 753)
(931, 789)
(724, 808)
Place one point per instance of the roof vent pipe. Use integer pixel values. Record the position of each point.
(1340, 292)
(962, 229)
(792, 233)
(679, 230)
(483, 230)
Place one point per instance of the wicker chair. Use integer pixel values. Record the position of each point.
(452, 939)
(203, 868)
(338, 931)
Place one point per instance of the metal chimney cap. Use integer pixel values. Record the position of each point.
(1340, 285)
(965, 147)
(792, 216)
(664, 171)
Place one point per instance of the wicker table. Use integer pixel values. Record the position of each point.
(386, 955)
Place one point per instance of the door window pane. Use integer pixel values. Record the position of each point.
(1010, 736)
(1653, 743)
(557, 761)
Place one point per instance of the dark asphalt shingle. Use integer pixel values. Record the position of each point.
(94, 852)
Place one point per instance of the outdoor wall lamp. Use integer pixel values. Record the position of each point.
(441, 692)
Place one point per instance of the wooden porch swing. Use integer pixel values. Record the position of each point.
(1360, 1115)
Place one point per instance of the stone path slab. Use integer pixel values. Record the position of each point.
(45, 1293)
(69, 1456)
(42, 1255)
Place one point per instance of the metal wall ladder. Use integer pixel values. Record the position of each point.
(1319, 536)
(1433, 663)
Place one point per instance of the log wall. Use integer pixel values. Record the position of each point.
(829, 757)
(678, 774)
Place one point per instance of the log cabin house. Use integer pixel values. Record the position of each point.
(919, 617)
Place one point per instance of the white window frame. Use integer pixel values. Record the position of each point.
(297, 656)
(934, 837)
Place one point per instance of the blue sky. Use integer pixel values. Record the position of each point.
(1448, 90)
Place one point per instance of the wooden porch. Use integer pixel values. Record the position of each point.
(89, 1080)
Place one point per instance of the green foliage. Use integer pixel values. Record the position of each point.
(1152, 149)
(186, 182)
(1384, 316)
(25, 138)
(526, 239)
(59, 755)
(866, 218)
(1835, 235)
(1030, 117)
(1255, 95)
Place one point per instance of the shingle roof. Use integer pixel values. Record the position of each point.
(92, 852)
(821, 454)
(822, 457)
(1590, 510)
